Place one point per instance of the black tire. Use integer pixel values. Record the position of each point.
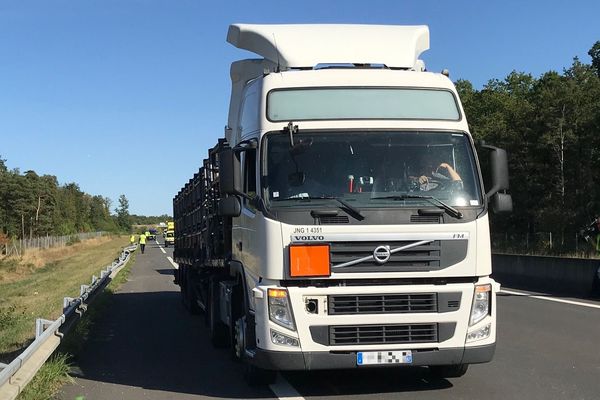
(182, 285)
(449, 371)
(219, 333)
(188, 296)
(192, 298)
(253, 375)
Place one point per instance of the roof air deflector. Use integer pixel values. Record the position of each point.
(305, 46)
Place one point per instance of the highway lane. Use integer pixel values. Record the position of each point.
(148, 347)
(151, 349)
(545, 350)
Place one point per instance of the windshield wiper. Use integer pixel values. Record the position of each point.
(348, 208)
(433, 200)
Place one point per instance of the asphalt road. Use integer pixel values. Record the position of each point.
(148, 347)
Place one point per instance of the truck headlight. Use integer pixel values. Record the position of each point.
(481, 303)
(280, 311)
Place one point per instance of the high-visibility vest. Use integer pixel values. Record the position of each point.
(132, 239)
(142, 239)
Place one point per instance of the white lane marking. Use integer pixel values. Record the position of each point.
(283, 389)
(173, 263)
(160, 247)
(576, 303)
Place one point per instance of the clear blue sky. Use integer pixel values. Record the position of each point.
(125, 96)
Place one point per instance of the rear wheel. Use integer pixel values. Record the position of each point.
(182, 284)
(192, 300)
(188, 294)
(449, 371)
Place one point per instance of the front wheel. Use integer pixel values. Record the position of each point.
(253, 375)
(449, 371)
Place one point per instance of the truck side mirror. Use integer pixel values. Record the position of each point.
(500, 202)
(230, 178)
(230, 207)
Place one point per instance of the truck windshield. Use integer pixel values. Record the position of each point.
(370, 169)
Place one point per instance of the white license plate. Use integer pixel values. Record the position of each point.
(384, 357)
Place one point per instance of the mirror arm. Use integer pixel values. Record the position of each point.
(260, 205)
(291, 129)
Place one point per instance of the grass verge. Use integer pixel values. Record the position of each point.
(55, 372)
(32, 292)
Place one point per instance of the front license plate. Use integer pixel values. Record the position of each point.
(384, 357)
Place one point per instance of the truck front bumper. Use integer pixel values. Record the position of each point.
(294, 361)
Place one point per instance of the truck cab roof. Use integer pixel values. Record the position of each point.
(307, 45)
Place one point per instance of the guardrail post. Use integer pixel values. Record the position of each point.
(41, 325)
(83, 289)
(94, 279)
(67, 302)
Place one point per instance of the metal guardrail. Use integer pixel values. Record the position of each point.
(11, 383)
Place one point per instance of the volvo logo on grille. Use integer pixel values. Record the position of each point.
(381, 254)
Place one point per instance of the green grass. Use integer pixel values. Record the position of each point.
(76, 338)
(49, 379)
(55, 372)
(38, 292)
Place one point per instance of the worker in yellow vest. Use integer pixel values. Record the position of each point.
(132, 240)
(142, 242)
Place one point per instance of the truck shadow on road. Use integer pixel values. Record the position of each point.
(147, 340)
(372, 381)
(165, 271)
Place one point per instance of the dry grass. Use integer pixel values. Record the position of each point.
(15, 268)
(29, 291)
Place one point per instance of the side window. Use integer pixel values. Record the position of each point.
(249, 171)
(249, 117)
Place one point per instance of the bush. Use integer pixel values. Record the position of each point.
(73, 239)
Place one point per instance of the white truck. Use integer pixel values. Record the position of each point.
(342, 221)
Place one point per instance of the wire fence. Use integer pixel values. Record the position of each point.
(17, 247)
(543, 243)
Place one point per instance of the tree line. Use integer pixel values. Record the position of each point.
(149, 220)
(550, 127)
(32, 205)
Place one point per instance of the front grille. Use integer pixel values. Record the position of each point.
(453, 304)
(382, 304)
(425, 257)
(383, 334)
